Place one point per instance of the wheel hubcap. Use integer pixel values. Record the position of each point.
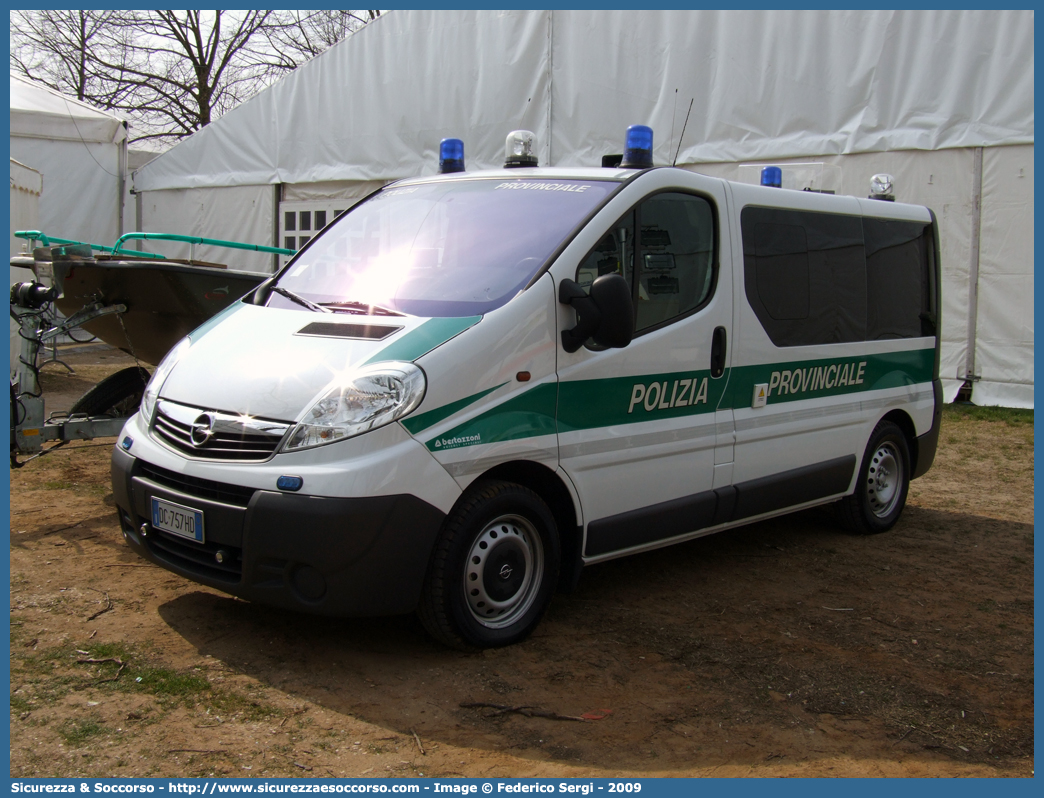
(884, 480)
(504, 570)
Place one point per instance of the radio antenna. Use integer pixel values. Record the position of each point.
(674, 114)
(682, 136)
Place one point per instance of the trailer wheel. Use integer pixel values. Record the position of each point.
(494, 568)
(882, 485)
(117, 395)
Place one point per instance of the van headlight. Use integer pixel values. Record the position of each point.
(366, 399)
(159, 376)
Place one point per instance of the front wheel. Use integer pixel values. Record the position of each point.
(494, 568)
(117, 395)
(884, 480)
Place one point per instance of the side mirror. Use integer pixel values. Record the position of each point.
(606, 315)
(259, 296)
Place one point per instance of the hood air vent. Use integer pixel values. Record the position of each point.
(359, 332)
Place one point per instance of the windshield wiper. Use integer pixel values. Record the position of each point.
(361, 308)
(300, 300)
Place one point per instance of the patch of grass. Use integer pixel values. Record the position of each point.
(55, 672)
(19, 705)
(968, 412)
(77, 732)
(168, 683)
(58, 484)
(105, 650)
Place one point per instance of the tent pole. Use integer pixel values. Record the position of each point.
(122, 181)
(973, 268)
(550, 77)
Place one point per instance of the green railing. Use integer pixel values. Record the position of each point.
(48, 241)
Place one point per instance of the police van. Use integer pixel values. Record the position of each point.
(472, 385)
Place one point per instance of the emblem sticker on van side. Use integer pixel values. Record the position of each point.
(458, 441)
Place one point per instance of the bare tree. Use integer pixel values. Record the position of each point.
(300, 35)
(57, 48)
(170, 72)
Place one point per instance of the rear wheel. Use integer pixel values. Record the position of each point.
(494, 568)
(883, 483)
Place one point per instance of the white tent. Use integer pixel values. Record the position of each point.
(81, 153)
(943, 100)
(26, 188)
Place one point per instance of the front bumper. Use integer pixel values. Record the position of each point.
(328, 556)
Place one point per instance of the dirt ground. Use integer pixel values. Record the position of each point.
(785, 648)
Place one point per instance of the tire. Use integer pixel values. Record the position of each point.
(117, 395)
(883, 483)
(494, 568)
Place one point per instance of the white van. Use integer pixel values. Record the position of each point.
(472, 385)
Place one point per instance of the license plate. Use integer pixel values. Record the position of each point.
(178, 520)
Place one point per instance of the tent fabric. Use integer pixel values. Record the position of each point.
(26, 185)
(25, 178)
(763, 85)
(1004, 321)
(79, 151)
(206, 212)
(81, 186)
(40, 112)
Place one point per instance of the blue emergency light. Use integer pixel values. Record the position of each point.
(451, 156)
(638, 147)
(772, 176)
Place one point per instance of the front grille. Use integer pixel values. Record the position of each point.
(194, 486)
(199, 558)
(213, 435)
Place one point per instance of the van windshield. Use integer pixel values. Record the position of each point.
(453, 248)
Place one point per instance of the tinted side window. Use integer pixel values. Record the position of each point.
(781, 263)
(670, 238)
(897, 264)
(805, 275)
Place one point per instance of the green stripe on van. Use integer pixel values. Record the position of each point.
(813, 379)
(422, 421)
(588, 404)
(421, 340)
(524, 416)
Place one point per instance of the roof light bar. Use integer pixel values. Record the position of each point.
(520, 149)
(772, 176)
(451, 156)
(882, 187)
(638, 148)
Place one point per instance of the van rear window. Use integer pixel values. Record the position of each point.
(447, 248)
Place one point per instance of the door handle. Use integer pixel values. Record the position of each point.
(717, 365)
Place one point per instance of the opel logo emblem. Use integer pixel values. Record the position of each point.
(505, 572)
(202, 430)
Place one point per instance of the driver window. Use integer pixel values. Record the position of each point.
(674, 253)
(612, 255)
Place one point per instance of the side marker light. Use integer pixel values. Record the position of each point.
(289, 483)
